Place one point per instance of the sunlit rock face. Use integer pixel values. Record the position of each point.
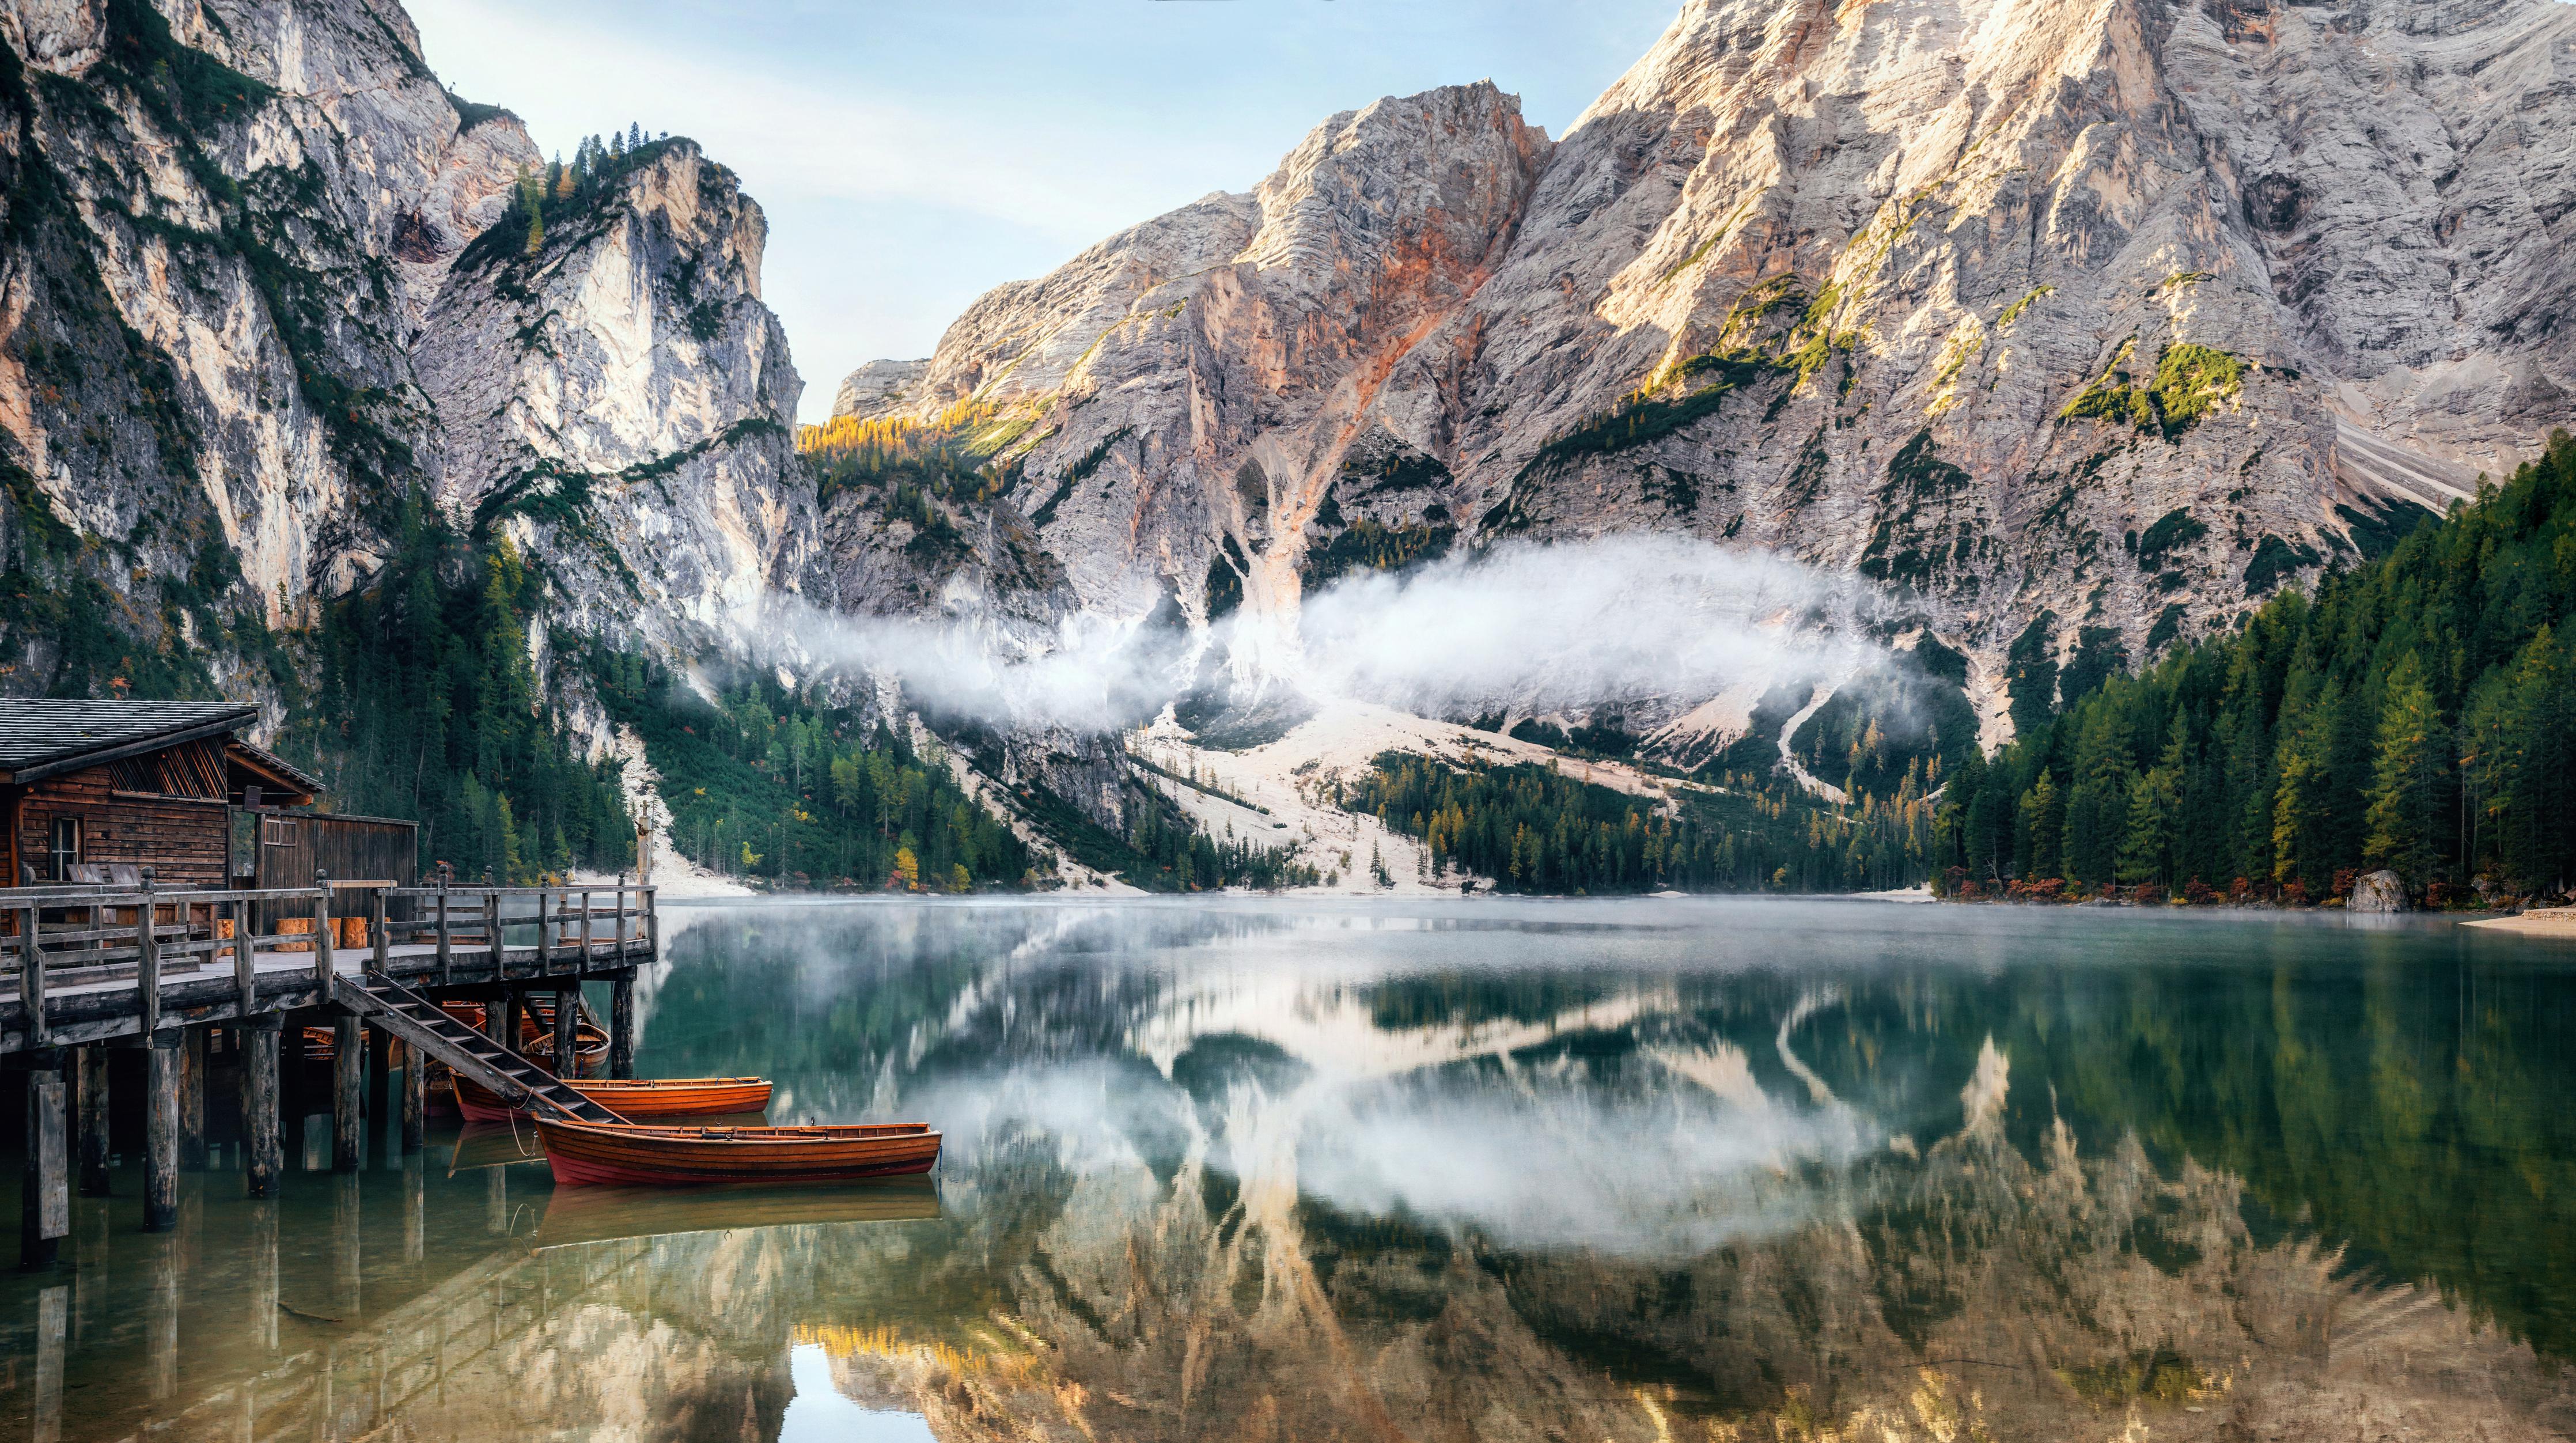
(1966, 296)
(621, 401)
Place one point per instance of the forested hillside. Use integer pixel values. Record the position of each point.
(1536, 830)
(2418, 714)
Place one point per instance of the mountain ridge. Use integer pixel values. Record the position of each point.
(2041, 278)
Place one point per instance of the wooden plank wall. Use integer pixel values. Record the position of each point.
(188, 842)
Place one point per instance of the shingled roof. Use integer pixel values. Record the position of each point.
(39, 739)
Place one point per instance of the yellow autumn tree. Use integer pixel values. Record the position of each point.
(907, 869)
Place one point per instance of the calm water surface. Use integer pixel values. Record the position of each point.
(1580, 1171)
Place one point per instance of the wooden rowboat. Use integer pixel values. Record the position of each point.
(600, 1155)
(647, 1097)
(589, 1051)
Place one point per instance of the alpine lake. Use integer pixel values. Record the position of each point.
(1251, 1169)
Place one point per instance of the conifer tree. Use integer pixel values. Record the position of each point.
(2406, 777)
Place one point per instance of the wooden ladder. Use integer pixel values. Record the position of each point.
(427, 1027)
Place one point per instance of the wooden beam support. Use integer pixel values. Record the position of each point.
(45, 1216)
(93, 1120)
(621, 1026)
(567, 1031)
(192, 1100)
(348, 1126)
(264, 1156)
(161, 1132)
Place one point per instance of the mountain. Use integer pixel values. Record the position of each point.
(2071, 328)
(2080, 326)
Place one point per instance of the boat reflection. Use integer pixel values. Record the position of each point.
(576, 1215)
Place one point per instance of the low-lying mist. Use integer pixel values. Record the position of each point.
(1526, 627)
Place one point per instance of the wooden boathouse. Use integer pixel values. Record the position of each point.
(177, 881)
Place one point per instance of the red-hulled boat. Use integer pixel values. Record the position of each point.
(643, 1097)
(596, 1154)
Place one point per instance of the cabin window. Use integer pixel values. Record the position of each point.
(67, 847)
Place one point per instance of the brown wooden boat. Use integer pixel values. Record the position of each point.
(577, 1215)
(589, 1051)
(601, 1155)
(642, 1097)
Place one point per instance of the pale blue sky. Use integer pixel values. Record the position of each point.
(914, 153)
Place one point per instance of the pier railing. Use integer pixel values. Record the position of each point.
(93, 937)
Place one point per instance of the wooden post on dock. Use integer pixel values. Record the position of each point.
(380, 940)
(263, 1156)
(584, 964)
(93, 1120)
(323, 962)
(567, 1031)
(245, 959)
(652, 923)
(446, 950)
(621, 1025)
(348, 1062)
(45, 1215)
(31, 974)
(492, 929)
(545, 943)
(192, 1100)
(415, 1099)
(147, 967)
(161, 1132)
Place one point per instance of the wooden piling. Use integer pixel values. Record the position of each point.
(621, 1025)
(93, 1120)
(161, 1132)
(567, 1031)
(45, 1212)
(415, 1099)
(263, 1155)
(348, 1062)
(192, 1100)
(513, 1011)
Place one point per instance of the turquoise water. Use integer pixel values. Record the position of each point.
(1631, 1170)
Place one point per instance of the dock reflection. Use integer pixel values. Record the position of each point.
(410, 1296)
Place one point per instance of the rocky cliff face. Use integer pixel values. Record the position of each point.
(235, 338)
(621, 400)
(2051, 316)
(225, 226)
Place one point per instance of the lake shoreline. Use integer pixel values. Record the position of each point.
(2548, 922)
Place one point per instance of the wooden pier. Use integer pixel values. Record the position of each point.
(103, 967)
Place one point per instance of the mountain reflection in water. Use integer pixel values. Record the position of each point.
(1637, 1170)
